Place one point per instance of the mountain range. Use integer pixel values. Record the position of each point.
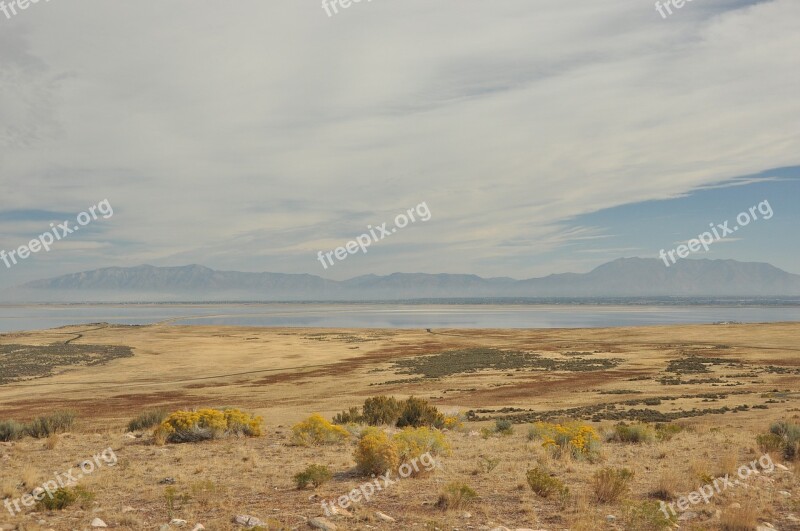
(625, 277)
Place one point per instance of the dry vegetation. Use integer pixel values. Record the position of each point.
(558, 429)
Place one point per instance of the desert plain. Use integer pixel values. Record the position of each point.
(721, 385)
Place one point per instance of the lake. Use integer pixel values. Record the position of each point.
(381, 315)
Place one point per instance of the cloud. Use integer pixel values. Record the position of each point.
(245, 137)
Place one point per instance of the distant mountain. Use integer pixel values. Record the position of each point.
(626, 277)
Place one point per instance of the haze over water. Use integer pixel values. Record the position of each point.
(338, 315)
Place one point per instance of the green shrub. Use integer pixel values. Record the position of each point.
(46, 425)
(503, 426)
(380, 410)
(544, 484)
(609, 484)
(787, 430)
(11, 431)
(351, 416)
(315, 430)
(769, 442)
(456, 496)
(148, 419)
(417, 412)
(66, 496)
(633, 433)
(789, 435)
(665, 431)
(314, 475)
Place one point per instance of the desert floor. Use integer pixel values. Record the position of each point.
(724, 384)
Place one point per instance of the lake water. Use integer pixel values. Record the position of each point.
(337, 315)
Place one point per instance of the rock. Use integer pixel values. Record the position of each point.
(782, 467)
(466, 514)
(98, 523)
(128, 509)
(129, 435)
(500, 528)
(765, 527)
(177, 522)
(248, 521)
(383, 517)
(164, 527)
(611, 518)
(785, 493)
(688, 515)
(322, 523)
(166, 481)
(339, 511)
(735, 505)
(199, 527)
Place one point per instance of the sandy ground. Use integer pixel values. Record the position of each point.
(286, 374)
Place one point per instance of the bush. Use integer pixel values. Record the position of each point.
(206, 424)
(376, 453)
(316, 430)
(314, 475)
(414, 442)
(503, 427)
(576, 439)
(351, 416)
(64, 497)
(609, 484)
(544, 484)
(647, 516)
(388, 411)
(45, 426)
(789, 435)
(380, 410)
(769, 442)
(453, 422)
(633, 433)
(148, 419)
(456, 496)
(417, 412)
(665, 432)
(11, 431)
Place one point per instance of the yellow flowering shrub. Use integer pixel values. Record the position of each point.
(413, 442)
(453, 422)
(204, 424)
(579, 440)
(318, 430)
(376, 453)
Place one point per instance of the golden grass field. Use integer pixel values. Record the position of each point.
(724, 384)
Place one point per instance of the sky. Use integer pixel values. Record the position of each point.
(543, 136)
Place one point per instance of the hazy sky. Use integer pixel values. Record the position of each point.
(544, 135)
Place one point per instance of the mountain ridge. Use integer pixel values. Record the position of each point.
(624, 277)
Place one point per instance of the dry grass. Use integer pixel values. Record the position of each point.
(215, 480)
